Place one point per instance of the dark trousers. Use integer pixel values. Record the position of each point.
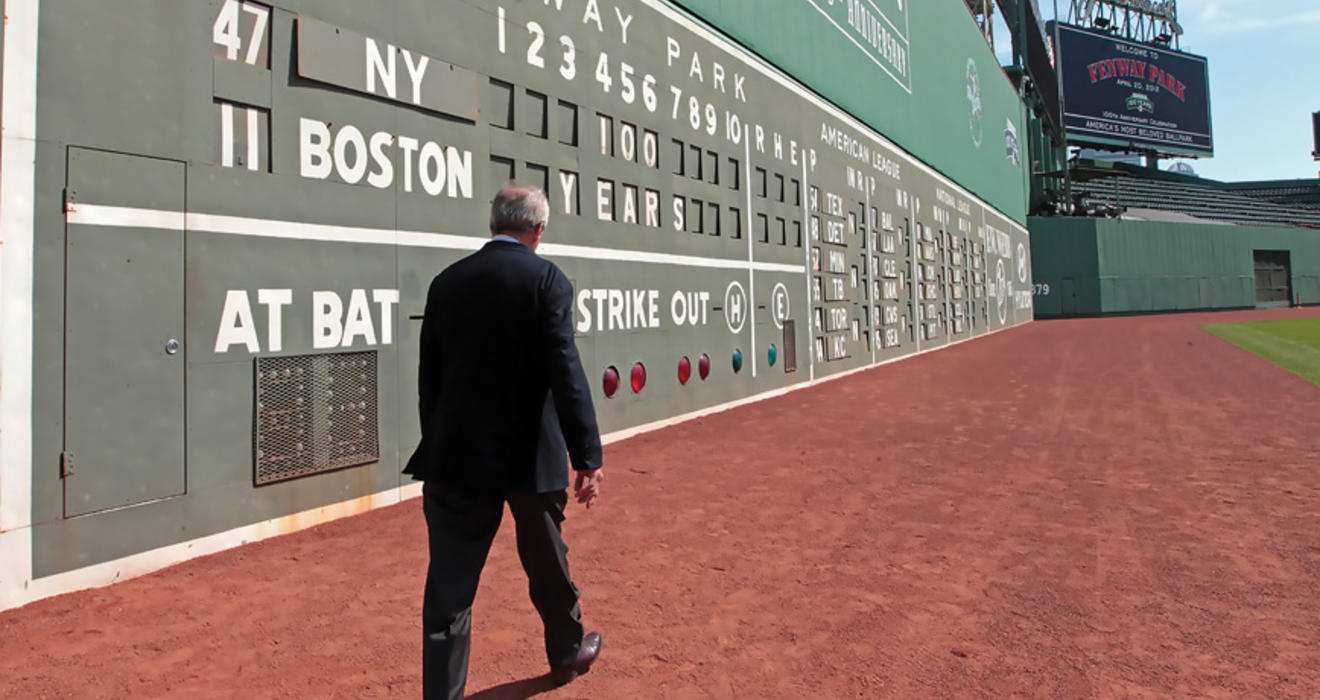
(460, 526)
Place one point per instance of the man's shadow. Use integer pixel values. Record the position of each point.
(516, 690)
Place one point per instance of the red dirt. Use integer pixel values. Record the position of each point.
(1083, 508)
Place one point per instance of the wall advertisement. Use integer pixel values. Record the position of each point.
(920, 73)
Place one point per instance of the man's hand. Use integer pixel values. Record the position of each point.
(587, 487)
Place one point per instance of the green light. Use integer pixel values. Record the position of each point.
(737, 361)
(772, 354)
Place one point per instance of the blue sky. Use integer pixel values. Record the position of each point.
(1264, 60)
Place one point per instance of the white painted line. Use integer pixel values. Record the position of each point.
(96, 215)
(271, 228)
(575, 251)
(253, 139)
(915, 300)
(864, 49)
(869, 254)
(902, 33)
(806, 262)
(103, 215)
(226, 135)
(751, 277)
(444, 240)
(18, 121)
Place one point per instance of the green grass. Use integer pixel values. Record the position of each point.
(1292, 344)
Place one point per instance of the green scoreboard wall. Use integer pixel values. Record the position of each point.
(938, 92)
(221, 217)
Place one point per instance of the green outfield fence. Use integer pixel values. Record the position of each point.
(1096, 266)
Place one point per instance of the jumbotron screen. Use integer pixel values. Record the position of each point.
(1123, 93)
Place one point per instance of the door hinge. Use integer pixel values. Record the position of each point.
(66, 464)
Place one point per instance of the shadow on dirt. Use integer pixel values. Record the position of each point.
(516, 690)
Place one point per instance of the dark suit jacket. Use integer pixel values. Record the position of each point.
(502, 394)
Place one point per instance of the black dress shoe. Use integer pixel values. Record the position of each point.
(588, 652)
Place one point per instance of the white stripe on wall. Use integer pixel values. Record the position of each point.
(253, 139)
(227, 135)
(103, 215)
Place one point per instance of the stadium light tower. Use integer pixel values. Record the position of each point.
(1148, 21)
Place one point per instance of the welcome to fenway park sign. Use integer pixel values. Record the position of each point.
(1132, 95)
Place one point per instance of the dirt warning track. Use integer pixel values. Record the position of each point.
(1089, 508)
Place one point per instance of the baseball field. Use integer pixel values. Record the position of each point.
(1124, 507)
(1293, 344)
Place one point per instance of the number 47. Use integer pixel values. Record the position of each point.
(225, 31)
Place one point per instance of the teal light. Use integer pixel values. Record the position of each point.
(772, 354)
(737, 361)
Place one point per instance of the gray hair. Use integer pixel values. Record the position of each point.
(518, 208)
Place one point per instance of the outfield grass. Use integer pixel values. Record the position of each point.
(1293, 344)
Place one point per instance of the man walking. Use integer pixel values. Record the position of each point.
(502, 398)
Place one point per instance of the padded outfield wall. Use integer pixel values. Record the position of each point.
(1092, 266)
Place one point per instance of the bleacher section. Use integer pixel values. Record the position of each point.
(1121, 192)
(1293, 193)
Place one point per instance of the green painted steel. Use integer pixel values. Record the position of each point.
(1065, 266)
(284, 179)
(926, 99)
(124, 430)
(1120, 267)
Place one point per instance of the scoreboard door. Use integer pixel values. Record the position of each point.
(123, 331)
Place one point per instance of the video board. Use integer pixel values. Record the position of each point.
(1137, 96)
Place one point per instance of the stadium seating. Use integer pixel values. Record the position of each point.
(1293, 193)
(1124, 191)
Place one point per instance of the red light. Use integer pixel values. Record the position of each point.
(684, 370)
(703, 366)
(611, 381)
(638, 377)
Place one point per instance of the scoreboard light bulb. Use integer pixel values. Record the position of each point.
(737, 361)
(772, 354)
(638, 378)
(684, 370)
(703, 366)
(611, 381)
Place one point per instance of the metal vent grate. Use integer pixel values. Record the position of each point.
(315, 413)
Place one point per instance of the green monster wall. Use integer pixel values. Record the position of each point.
(265, 189)
(938, 67)
(1110, 266)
